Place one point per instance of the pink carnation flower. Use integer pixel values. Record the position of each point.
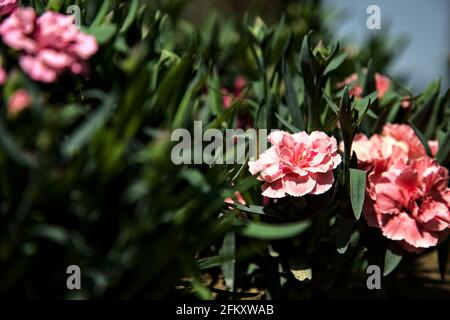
(297, 164)
(410, 203)
(51, 44)
(397, 141)
(382, 85)
(7, 7)
(407, 193)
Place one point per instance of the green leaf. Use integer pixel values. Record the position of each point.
(362, 106)
(422, 139)
(12, 149)
(343, 227)
(288, 125)
(307, 71)
(209, 262)
(214, 97)
(291, 97)
(196, 179)
(331, 103)
(391, 260)
(265, 231)
(56, 234)
(357, 190)
(200, 290)
(88, 128)
(443, 254)
(250, 209)
(425, 104)
(369, 82)
(393, 112)
(54, 5)
(335, 63)
(104, 9)
(183, 108)
(444, 148)
(227, 251)
(104, 32)
(132, 11)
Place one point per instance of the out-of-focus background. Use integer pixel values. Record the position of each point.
(425, 26)
(421, 30)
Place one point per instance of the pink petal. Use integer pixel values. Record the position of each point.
(37, 70)
(404, 227)
(324, 182)
(276, 136)
(54, 59)
(298, 186)
(273, 190)
(388, 198)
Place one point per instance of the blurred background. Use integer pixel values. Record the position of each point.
(418, 29)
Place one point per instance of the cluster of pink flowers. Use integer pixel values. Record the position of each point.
(238, 87)
(8, 7)
(50, 44)
(382, 85)
(244, 120)
(407, 192)
(239, 198)
(297, 164)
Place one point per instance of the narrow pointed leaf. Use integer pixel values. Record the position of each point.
(250, 209)
(266, 231)
(228, 265)
(291, 98)
(87, 129)
(331, 103)
(357, 190)
(13, 150)
(391, 260)
(288, 125)
(343, 228)
(422, 139)
(335, 63)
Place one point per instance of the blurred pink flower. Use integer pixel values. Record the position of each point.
(239, 198)
(51, 44)
(2, 76)
(410, 203)
(19, 101)
(244, 120)
(382, 85)
(227, 95)
(297, 164)
(406, 102)
(8, 7)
